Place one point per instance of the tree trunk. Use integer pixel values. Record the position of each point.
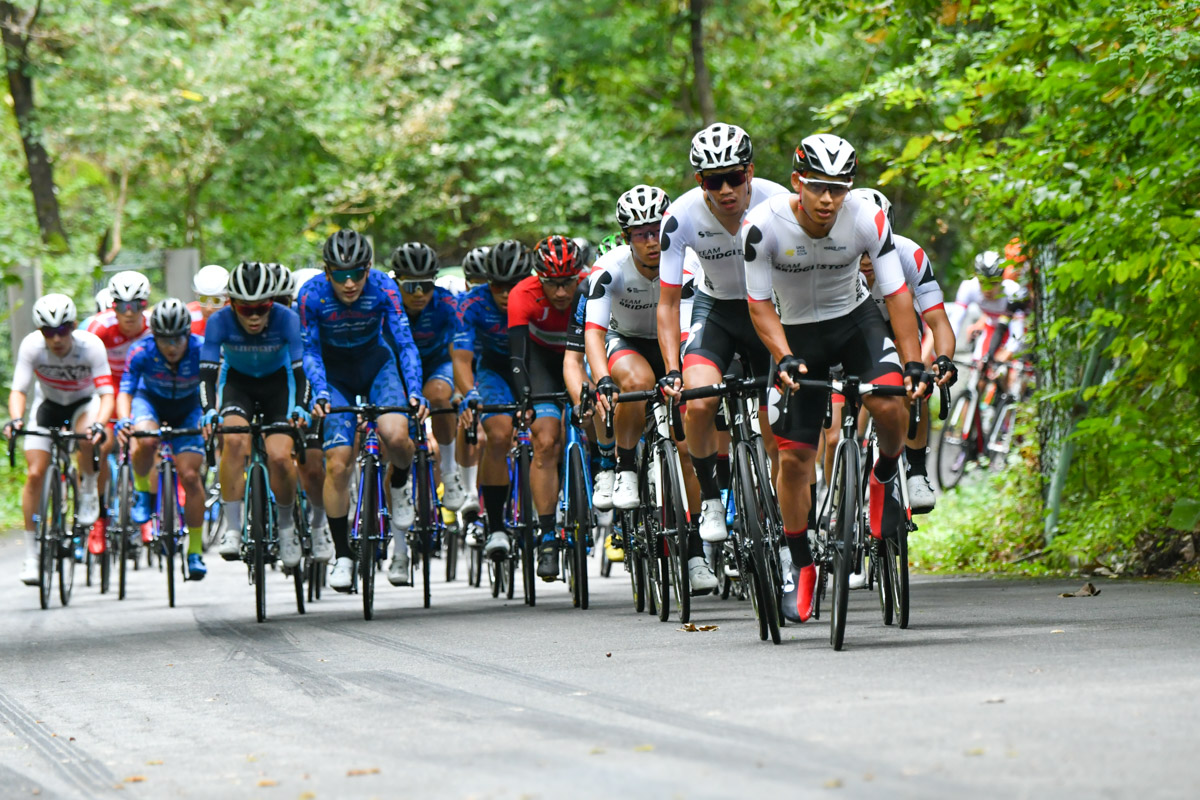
(15, 29)
(702, 82)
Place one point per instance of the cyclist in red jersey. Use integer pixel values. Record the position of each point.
(539, 314)
(209, 285)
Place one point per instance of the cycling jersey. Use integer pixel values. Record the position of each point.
(483, 328)
(817, 279)
(336, 332)
(918, 276)
(84, 371)
(149, 374)
(276, 349)
(1005, 311)
(623, 300)
(529, 308)
(105, 326)
(433, 328)
(690, 223)
(198, 320)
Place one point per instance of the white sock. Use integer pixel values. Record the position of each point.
(470, 476)
(284, 515)
(446, 459)
(31, 544)
(233, 514)
(89, 483)
(318, 516)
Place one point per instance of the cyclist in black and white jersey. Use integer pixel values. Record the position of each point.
(708, 219)
(802, 253)
(622, 346)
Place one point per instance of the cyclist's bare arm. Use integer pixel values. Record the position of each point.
(770, 330)
(668, 324)
(16, 404)
(574, 374)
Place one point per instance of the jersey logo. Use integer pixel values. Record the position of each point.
(753, 236)
(598, 285)
(880, 221)
(670, 226)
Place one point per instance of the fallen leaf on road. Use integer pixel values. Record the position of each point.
(354, 773)
(691, 627)
(993, 700)
(71, 739)
(976, 751)
(155, 763)
(1087, 590)
(833, 783)
(135, 779)
(596, 751)
(1056, 630)
(266, 782)
(308, 796)
(643, 748)
(608, 655)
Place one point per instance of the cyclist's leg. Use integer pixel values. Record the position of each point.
(632, 373)
(439, 388)
(83, 417)
(706, 356)
(545, 376)
(142, 458)
(37, 462)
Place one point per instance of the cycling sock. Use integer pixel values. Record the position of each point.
(399, 476)
(233, 514)
(608, 459)
(546, 523)
(284, 515)
(706, 473)
(812, 506)
(141, 482)
(695, 543)
(797, 542)
(471, 479)
(723, 471)
(89, 483)
(626, 459)
(446, 459)
(493, 506)
(916, 460)
(31, 544)
(195, 539)
(885, 467)
(877, 489)
(339, 529)
(318, 516)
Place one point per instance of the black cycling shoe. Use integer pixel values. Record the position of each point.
(547, 567)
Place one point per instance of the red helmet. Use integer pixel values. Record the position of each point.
(557, 257)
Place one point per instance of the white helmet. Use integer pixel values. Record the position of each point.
(720, 145)
(170, 317)
(128, 286)
(641, 205)
(303, 276)
(827, 154)
(211, 281)
(103, 300)
(252, 281)
(876, 197)
(285, 281)
(52, 310)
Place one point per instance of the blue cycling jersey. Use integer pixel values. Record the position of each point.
(148, 373)
(434, 326)
(329, 326)
(278, 346)
(482, 327)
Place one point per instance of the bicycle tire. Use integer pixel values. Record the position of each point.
(637, 576)
(66, 550)
(474, 565)
(47, 543)
(897, 558)
(674, 513)
(954, 445)
(124, 526)
(847, 498)
(999, 439)
(369, 536)
(257, 509)
(167, 532)
(510, 577)
(426, 508)
(304, 536)
(579, 514)
(753, 521)
(451, 546)
(495, 568)
(882, 574)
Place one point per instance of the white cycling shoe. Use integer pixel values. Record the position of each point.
(342, 574)
(403, 513)
(700, 575)
(289, 547)
(625, 492)
(497, 545)
(89, 504)
(712, 521)
(602, 490)
(398, 569)
(322, 544)
(29, 572)
(920, 494)
(230, 548)
(454, 494)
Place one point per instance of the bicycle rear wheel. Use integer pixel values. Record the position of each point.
(426, 508)
(675, 522)
(124, 524)
(451, 554)
(881, 575)
(579, 523)
(257, 509)
(369, 533)
(897, 560)
(845, 529)
(763, 589)
(956, 444)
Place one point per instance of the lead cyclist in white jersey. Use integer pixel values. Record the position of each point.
(71, 368)
(802, 253)
(708, 219)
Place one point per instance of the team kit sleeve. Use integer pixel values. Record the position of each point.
(295, 345)
(599, 300)
(928, 292)
(875, 239)
(210, 359)
(310, 342)
(23, 372)
(673, 239)
(397, 322)
(464, 325)
(133, 369)
(758, 243)
(518, 336)
(102, 377)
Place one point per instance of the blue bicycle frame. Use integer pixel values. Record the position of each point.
(575, 441)
(370, 448)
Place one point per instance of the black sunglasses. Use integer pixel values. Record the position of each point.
(734, 178)
(417, 287)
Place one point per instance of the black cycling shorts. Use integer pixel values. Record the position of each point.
(617, 346)
(246, 396)
(720, 330)
(860, 341)
(56, 415)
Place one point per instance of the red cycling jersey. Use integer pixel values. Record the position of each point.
(198, 320)
(105, 326)
(527, 305)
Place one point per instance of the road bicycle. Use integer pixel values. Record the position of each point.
(428, 528)
(575, 503)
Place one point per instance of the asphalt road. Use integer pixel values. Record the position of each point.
(1000, 688)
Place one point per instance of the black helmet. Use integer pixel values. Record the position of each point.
(414, 260)
(347, 249)
(508, 262)
(474, 264)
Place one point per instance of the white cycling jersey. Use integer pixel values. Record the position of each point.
(813, 280)
(1009, 303)
(689, 223)
(78, 375)
(454, 284)
(624, 301)
(918, 276)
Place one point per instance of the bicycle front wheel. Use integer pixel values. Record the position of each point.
(751, 514)
(426, 509)
(67, 540)
(257, 509)
(897, 560)
(675, 524)
(956, 442)
(369, 533)
(124, 524)
(579, 522)
(845, 531)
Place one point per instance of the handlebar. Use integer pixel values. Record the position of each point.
(54, 434)
(255, 428)
(526, 402)
(655, 395)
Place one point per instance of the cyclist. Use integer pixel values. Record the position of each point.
(1002, 304)
(433, 319)
(103, 301)
(482, 372)
(251, 365)
(622, 346)
(343, 316)
(286, 286)
(539, 313)
(209, 286)
(161, 385)
(76, 386)
(708, 219)
(802, 253)
(474, 267)
(930, 307)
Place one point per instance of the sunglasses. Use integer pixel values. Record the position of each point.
(835, 188)
(347, 275)
(253, 310)
(417, 287)
(210, 300)
(62, 330)
(125, 306)
(503, 287)
(171, 341)
(644, 234)
(715, 181)
(558, 284)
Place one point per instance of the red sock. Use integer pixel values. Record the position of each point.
(877, 489)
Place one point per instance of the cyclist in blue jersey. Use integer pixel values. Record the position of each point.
(252, 364)
(343, 317)
(161, 386)
(481, 373)
(433, 317)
